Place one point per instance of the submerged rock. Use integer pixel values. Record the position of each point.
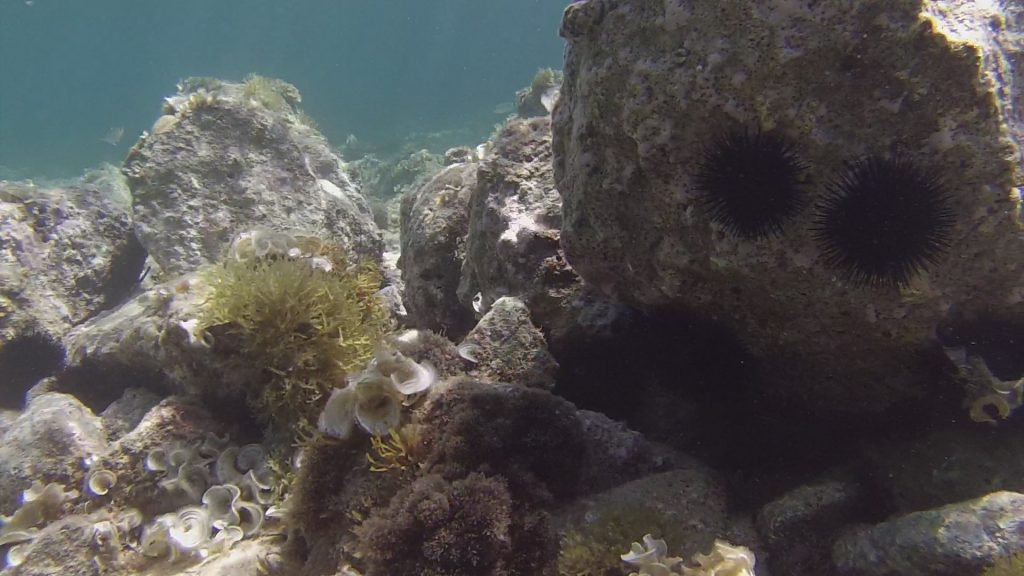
(512, 248)
(232, 156)
(961, 538)
(69, 253)
(505, 346)
(48, 442)
(434, 224)
(650, 90)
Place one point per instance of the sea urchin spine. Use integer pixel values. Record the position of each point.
(884, 221)
(751, 183)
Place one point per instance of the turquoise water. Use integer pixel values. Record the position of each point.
(391, 72)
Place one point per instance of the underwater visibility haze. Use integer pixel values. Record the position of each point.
(382, 71)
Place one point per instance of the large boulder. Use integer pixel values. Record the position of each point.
(434, 223)
(48, 442)
(227, 157)
(66, 252)
(515, 220)
(654, 95)
(962, 538)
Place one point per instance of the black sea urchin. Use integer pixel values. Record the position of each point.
(751, 183)
(883, 221)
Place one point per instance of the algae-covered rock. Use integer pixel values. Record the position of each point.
(686, 508)
(434, 224)
(235, 157)
(505, 346)
(68, 253)
(961, 538)
(512, 248)
(48, 442)
(650, 90)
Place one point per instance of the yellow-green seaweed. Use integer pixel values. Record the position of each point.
(306, 321)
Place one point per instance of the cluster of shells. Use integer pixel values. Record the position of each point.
(40, 504)
(232, 489)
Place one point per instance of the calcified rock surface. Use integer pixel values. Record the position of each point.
(219, 162)
(649, 85)
(66, 252)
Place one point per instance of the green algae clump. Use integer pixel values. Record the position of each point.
(271, 93)
(294, 309)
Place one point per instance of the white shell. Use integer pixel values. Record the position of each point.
(191, 529)
(220, 503)
(338, 416)
(251, 517)
(101, 481)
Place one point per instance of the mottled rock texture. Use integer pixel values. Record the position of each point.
(434, 224)
(480, 230)
(512, 248)
(507, 347)
(684, 507)
(150, 341)
(48, 442)
(66, 252)
(799, 527)
(953, 540)
(219, 162)
(650, 85)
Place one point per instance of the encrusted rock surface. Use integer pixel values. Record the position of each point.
(48, 442)
(512, 248)
(66, 252)
(688, 503)
(799, 527)
(507, 347)
(149, 341)
(957, 539)
(219, 162)
(650, 85)
(951, 465)
(125, 413)
(434, 224)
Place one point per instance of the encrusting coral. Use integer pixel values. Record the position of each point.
(295, 307)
